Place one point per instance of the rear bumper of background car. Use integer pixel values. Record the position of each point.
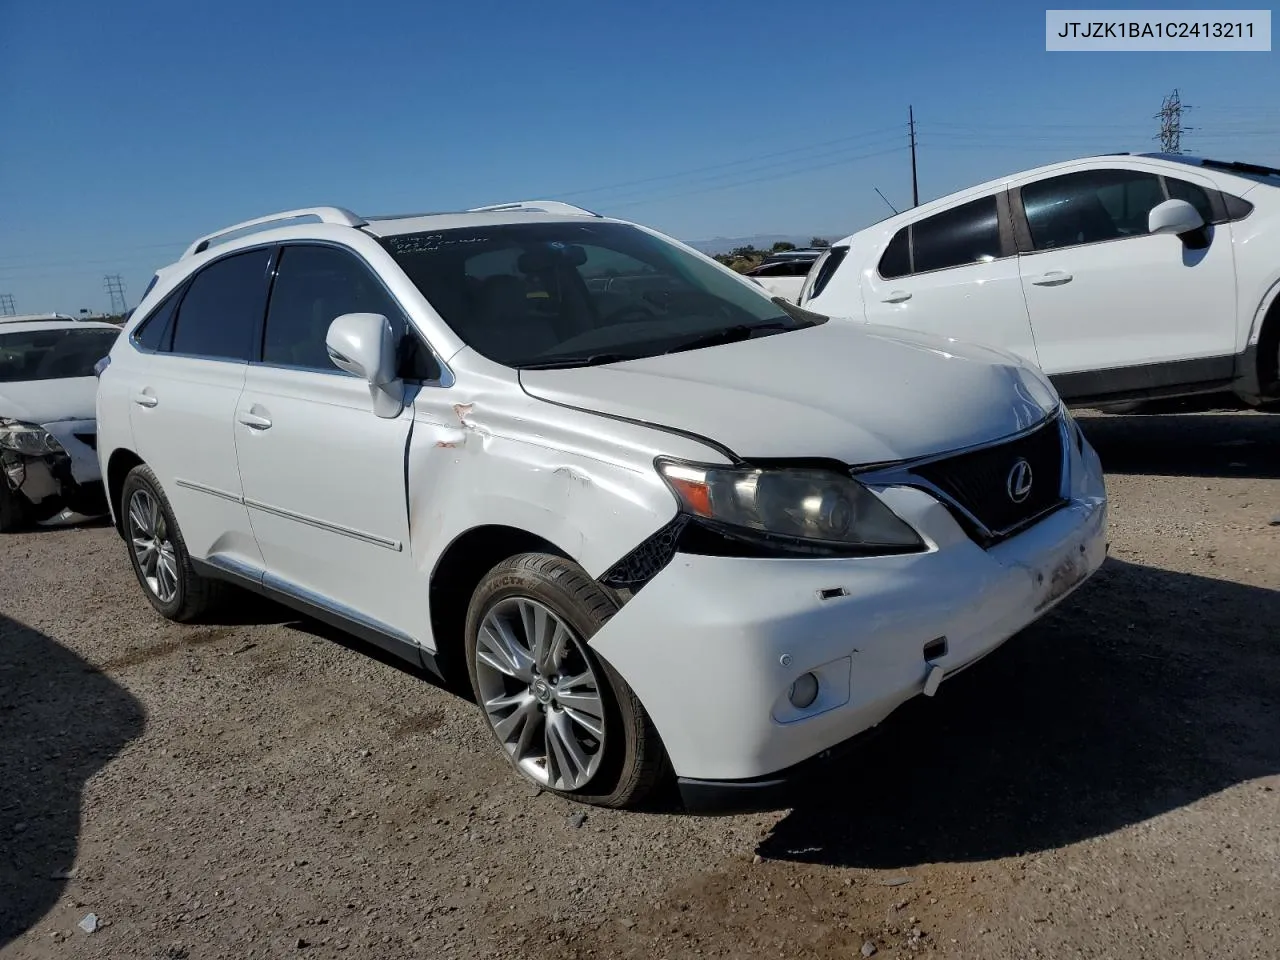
(712, 645)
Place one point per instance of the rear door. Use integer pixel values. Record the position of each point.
(324, 478)
(195, 349)
(954, 273)
(1113, 307)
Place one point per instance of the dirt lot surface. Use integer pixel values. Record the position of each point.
(1107, 785)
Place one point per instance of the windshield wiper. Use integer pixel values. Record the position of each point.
(734, 334)
(590, 360)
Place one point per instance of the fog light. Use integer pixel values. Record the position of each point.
(804, 691)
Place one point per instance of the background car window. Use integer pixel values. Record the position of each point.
(896, 261)
(156, 332)
(223, 307)
(313, 286)
(969, 233)
(53, 354)
(1181, 190)
(1089, 207)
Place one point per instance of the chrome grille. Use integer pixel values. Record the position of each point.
(1006, 486)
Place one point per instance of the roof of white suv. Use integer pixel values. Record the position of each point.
(1248, 175)
(521, 211)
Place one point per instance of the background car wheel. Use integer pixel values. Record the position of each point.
(15, 510)
(158, 552)
(564, 718)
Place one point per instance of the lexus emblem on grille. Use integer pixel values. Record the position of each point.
(1018, 483)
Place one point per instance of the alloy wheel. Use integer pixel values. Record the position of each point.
(540, 694)
(152, 546)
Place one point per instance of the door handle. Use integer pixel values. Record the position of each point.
(1054, 278)
(255, 422)
(897, 296)
(144, 399)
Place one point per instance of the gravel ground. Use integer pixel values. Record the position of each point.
(1107, 785)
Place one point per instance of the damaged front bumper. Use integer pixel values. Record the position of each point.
(65, 476)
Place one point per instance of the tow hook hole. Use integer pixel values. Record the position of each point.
(830, 593)
(935, 649)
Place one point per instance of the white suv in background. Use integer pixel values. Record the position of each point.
(663, 523)
(1123, 277)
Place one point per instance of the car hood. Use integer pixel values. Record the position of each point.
(48, 401)
(857, 393)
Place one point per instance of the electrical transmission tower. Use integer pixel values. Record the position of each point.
(1171, 128)
(7, 308)
(115, 290)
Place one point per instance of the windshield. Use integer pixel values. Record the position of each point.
(576, 293)
(53, 354)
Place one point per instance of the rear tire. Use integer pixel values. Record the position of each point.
(158, 552)
(564, 718)
(15, 510)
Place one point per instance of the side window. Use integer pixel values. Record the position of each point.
(1182, 190)
(223, 307)
(156, 331)
(969, 233)
(896, 261)
(313, 286)
(1089, 207)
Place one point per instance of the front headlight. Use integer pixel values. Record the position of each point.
(29, 439)
(801, 510)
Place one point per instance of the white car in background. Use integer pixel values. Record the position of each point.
(782, 274)
(48, 434)
(1122, 277)
(661, 521)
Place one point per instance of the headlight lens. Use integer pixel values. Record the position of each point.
(27, 438)
(811, 511)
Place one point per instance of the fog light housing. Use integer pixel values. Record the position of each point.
(804, 691)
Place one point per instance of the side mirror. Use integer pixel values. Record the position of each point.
(365, 345)
(1174, 216)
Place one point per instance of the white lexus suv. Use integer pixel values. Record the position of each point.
(1123, 277)
(664, 524)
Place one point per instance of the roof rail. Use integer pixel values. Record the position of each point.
(324, 214)
(538, 206)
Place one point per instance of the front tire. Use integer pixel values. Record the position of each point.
(564, 718)
(158, 552)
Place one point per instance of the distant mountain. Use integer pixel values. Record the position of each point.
(761, 241)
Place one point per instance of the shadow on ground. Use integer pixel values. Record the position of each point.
(1144, 692)
(61, 721)
(1217, 444)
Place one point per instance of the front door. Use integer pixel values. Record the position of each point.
(324, 477)
(1106, 295)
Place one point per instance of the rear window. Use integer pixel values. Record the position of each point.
(223, 308)
(826, 269)
(53, 354)
(969, 233)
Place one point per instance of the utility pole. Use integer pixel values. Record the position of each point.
(911, 125)
(115, 290)
(1171, 128)
(7, 308)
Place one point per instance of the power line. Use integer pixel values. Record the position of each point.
(728, 163)
(776, 176)
(115, 290)
(836, 155)
(1171, 128)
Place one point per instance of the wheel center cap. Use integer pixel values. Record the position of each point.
(542, 691)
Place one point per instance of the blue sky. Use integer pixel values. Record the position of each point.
(127, 129)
